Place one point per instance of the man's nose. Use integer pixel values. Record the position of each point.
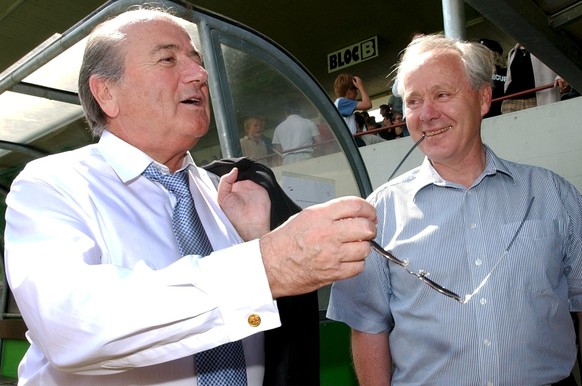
(428, 111)
(194, 72)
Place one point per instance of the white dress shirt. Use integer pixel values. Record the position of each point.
(93, 263)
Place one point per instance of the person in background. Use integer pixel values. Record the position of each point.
(386, 113)
(371, 124)
(95, 253)
(395, 103)
(294, 137)
(399, 131)
(346, 87)
(365, 114)
(497, 247)
(255, 144)
(359, 129)
(499, 75)
(365, 139)
(526, 72)
(566, 90)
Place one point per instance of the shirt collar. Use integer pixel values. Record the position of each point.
(494, 164)
(127, 161)
(426, 174)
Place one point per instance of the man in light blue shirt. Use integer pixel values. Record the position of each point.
(502, 243)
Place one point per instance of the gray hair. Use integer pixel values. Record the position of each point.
(477, 59)
(104, 57)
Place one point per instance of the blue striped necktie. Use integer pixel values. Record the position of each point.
(222, 365)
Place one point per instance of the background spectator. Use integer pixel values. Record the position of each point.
(399, 131)
(346, 87)
(366, 139)
(294, 136)
(525, 72)
(499, 75)
(255, 144)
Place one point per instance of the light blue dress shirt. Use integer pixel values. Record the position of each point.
(517, 330)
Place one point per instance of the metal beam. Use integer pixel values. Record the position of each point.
(525, 22)
(8, 7)
(566, 16)
(47, 93)
(67, 40)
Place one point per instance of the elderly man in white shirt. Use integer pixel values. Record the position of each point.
(91, 255)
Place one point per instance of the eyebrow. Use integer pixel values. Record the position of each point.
(175, 47)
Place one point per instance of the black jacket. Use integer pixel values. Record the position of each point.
(292, 350)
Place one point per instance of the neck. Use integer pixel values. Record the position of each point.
(464, 173)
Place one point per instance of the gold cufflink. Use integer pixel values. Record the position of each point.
(254, 320)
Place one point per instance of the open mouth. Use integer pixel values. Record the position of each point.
(432, 133)
(191, 101)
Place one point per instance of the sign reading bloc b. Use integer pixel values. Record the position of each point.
(354, 54)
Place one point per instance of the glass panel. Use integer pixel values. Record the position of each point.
(279, 126)
(26, 118)
(293, 136)
(62, 72)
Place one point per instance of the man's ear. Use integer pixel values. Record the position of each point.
(486, 92)
(104, 94)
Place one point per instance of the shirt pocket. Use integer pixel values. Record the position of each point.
(534, 259)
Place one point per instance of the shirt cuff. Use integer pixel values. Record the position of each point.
(237, 277)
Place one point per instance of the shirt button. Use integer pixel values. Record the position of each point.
(472, 226)
(487, 343)
(254, 320)
(478, 262)
(483, 301)
(489, 383)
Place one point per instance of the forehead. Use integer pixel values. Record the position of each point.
(435, 66)
(161, 30)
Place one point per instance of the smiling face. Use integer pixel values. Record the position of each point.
(161, 104)
(442, 106)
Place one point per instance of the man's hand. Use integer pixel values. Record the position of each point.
(246, 204)
(318, 246)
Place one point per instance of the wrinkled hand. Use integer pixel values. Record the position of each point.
(246, 204)
(319, 245)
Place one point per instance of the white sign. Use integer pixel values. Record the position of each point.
(354, 54)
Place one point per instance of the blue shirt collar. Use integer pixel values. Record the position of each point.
(426, 174)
